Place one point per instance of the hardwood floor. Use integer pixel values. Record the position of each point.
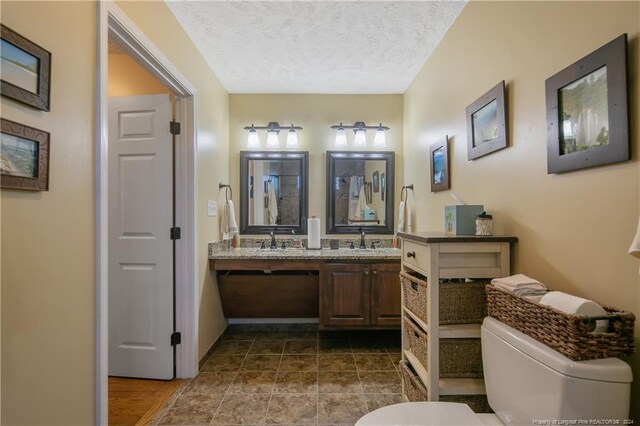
(137, 401)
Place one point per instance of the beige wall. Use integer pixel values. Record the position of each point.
(128, 78)
(48, 268)
(316, 114)
(48, 274)
(574, 228)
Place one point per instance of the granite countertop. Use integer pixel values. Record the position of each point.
(244, 253)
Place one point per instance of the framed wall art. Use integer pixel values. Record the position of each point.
(24, 157)
(439, 161)
(376, 181)
(587, 112)
(487, 123)
(26, 70)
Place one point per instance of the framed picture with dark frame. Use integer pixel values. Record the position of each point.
(487, 123)
(26, 70)
(439, 165)
(587, 111)
(383, 185)
(24, 157)
(376, 181)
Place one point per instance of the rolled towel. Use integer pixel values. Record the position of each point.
(520, 285)
(577, 306)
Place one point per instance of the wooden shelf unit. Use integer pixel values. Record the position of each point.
(441, 256)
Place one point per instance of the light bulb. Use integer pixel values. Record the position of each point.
(341, 138)
(253, 141)
(292, 139)
(380, 140)
(272, 139)
(360, 140)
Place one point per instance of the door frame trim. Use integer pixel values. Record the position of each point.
(113, 22)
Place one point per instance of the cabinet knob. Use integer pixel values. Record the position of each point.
(366, 272)
(411, 254)
(375, 272)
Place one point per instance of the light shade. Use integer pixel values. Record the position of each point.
(292, 139)
(341, 138)
(360, 140)
(380, 140)
(272, 139)
(253, 140)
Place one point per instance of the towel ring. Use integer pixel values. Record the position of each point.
(404, 192)
(228, 192)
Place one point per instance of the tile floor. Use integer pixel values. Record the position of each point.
(292, 377)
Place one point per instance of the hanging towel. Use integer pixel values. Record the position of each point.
(228, 224)
(361, 206)
(634, 250)
(273, 204)
(408, 210)
(355, 184)
(577, 306)
(521, 285)
(401, 217)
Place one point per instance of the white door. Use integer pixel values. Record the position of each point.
(140, 247)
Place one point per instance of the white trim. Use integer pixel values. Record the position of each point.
(112, 22)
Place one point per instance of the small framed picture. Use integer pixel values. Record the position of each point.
(487, 123)
(26, 70)
(24, 157)
(376, 181)
(587, 112)
(439, 161)
(383, 185)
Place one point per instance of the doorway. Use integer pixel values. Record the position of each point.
(115, 26)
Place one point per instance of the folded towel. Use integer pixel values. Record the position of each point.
(577, 306)
(401, 217)
(634, 250)
(521, 285)
(534, 299)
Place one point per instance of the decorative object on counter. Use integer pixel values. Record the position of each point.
(439, 161)
(461, 220)
(313, 227)
(26, 70)
(587, 112)
(360, 139)
(484, 224)
(487, 129)
(228, 224)
(273, 129)
(334, 244)
(24, 157)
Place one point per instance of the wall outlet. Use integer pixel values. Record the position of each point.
(212, 208)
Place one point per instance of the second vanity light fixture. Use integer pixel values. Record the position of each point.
(273, 129)
(360, 140)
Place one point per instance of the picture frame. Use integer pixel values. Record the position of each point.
(383, 185)
(26, 70)
(24, 157)
(439, 165)
(487, 129)
(587, 111)
(376, 181)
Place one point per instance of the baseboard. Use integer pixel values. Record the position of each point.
(273, 321)
(207, 354)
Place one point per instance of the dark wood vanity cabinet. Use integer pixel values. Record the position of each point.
(360, 295)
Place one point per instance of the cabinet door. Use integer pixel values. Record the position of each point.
(385, 294)
(346, 294)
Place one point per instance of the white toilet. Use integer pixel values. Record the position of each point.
(526, 381)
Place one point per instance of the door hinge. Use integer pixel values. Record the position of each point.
(175, 233)
(176, 338)
(174, 127)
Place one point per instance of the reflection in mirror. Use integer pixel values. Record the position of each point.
(360, 192)
(273, 192)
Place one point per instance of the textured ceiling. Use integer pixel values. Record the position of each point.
(316, 46)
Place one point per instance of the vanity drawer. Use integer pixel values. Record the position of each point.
(415, 255)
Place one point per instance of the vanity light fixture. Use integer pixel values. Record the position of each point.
(273, 128)
(360, 140)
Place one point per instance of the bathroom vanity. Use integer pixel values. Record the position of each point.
(344, 288)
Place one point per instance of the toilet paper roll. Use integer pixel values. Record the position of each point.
(576, 305)
(313, 229)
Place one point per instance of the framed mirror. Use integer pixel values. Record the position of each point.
(274, 189)
(360, 188)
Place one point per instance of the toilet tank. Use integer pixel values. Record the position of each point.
(526, 381)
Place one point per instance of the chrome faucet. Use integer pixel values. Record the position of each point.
(362, 243)
(273, 242)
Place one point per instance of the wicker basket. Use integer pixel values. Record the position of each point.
(416, 391)
(460, 303)
(459, 358)
(568, 334)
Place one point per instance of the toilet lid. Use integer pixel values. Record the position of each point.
(423, 414)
